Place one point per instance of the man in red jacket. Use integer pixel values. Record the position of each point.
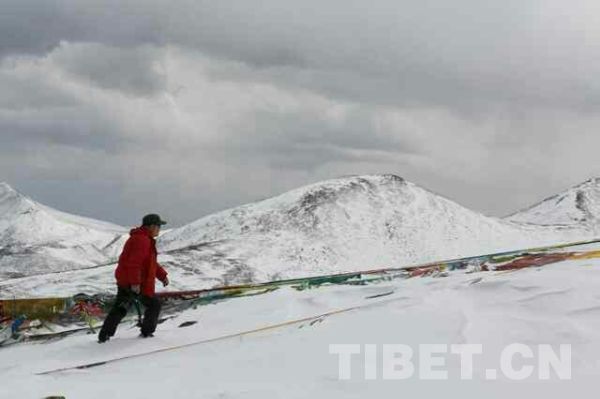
(136, 274)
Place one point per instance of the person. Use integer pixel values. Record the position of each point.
(135, 274)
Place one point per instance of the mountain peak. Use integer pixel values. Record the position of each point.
(380, 207)
(589, 183)
(12, 201)
(6, 188)
(348, 183)
(576, 205)
(353, 181)
(310, 197)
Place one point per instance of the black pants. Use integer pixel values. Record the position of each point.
(125, 298)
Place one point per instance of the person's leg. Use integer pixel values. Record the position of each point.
(152, 305)
(116, 314)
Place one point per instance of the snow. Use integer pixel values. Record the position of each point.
(345, 224)
(339, 225)
(37, 239)
(576, 206)
(555, 304)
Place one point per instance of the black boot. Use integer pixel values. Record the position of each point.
(152, 305)
(102, 338)
(116, 314)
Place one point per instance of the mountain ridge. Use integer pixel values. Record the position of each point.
(35, 238)
(343, 224)
(576, 205)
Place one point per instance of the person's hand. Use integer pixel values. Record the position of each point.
(135, 288)
(165, 282)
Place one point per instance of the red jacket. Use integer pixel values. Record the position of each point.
(137, 263)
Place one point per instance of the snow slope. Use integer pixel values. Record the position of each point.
(37, 239)
(556, 304)
(345, 224)
(578, 206)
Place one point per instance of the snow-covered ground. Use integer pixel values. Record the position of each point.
(555, 304)
(346, 224)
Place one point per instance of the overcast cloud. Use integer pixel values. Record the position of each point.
(113, 109)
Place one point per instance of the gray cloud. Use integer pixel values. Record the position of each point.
(307, 140)
(37, 27)
(223, 102)
(393, 52)
(132, 70)
(76, 127)
(19, 92)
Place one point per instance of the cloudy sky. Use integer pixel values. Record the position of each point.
(114, 108)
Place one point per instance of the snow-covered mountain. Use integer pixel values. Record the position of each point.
(577, 206)
(345, 224)
(36, 239)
